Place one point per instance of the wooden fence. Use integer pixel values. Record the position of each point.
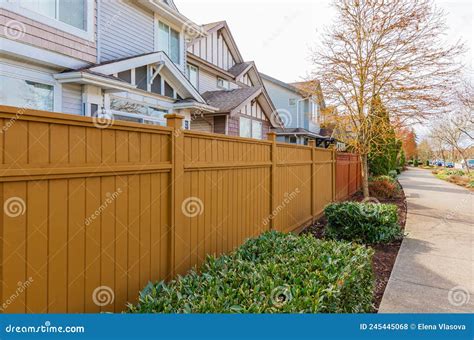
(92, 213)
(348, 175)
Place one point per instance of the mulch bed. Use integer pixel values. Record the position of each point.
(385, 254)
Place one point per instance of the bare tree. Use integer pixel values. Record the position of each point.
(392, 50)
(450, 131)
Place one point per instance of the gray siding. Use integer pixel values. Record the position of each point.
(72, 99)
(280, 98)
(125, 30)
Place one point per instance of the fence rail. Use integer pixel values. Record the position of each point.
(91, 214)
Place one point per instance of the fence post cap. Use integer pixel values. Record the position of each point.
(312, 143)
(271, 136)
(173, 116)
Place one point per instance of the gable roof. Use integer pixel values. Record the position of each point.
(239, 68)
(168, 69)
(227, 36)
(287, 86)
(311, 88)
(228, 101)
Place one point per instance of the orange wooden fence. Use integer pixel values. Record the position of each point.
(348, 175)
(91, 214)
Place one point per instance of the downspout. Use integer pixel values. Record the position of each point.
(98, 25)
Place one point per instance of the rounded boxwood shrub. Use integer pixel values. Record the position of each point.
(366, 223)
(274, 273)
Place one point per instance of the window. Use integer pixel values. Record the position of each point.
(168, 42)
(223, 84)
(141, 77)
(130, 111)
(245, 127)
(169, 92)
(193, 73)
(292, 101)
(256, 129)
(250, 128)
(71, 12)
(26, 93)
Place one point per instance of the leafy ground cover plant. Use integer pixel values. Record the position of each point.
(274, 273)
(366, 223)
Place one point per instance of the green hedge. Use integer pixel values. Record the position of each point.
(366, 223)
(274, 273)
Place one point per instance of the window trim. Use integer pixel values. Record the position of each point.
(87, 34)
(181, 50)
(221, 86)
(37, 76)
(188, 67)
(252, 120)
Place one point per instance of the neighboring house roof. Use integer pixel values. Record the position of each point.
(282, 84)
(228, 101)
(313, 88)
(240, 68)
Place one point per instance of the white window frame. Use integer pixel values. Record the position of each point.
(251, 127)
(87, 34)
(223, 81)
(188, 70)
(292, 101)
(38, 76)
(182, 51)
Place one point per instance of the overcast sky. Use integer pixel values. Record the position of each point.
(278, 34)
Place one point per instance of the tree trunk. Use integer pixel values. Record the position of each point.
(365, 175)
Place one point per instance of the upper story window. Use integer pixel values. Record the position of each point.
(193, 74)
(168, 42)
(292, 101)
(223, 84)
(71, 12)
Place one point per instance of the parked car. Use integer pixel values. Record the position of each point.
(470, 163)
(450, 165)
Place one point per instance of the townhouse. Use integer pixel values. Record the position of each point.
(301, 109)
(129, 60)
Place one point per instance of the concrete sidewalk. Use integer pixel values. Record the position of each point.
(434, 271)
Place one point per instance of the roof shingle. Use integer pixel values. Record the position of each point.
(226, 101)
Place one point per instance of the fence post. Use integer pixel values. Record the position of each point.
(271, 136)
(334, 178)
(178, 256)
(312, 144)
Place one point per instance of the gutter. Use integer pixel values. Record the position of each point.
(92, 79)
